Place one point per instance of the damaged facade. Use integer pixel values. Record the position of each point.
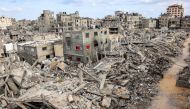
(46, 21)
(5, 21)
(68, 22)
(39, 50)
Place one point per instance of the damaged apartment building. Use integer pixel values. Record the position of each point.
(124, 20)
(5, 21)
(69, 22)
(87, 45)
(173, 17)
(40, 49)
(46, 21)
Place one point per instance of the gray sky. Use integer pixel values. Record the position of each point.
(31, 9)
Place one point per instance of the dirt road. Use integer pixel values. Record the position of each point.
(170, 96)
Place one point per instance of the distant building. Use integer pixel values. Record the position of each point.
(134, 20)
(120, 15)
(174, 23)
(111, 21)
(72, 22)
(169, 21)
(150, 23)
(23, 22)
(46, 21)
(4, 22)
(175, 10)
(164, 20)
(185, 23)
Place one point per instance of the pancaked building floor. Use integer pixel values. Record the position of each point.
(122, 82)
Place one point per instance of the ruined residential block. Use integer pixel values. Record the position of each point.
(46, 21)
(70, 22)
(37, 50)
(4, 22)
(79, 46)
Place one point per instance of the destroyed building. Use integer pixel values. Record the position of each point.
(68, 22)
(133, 20)
(4, 22)
(84, 46)
(39, 50)
(124, 19)
(164, 20)
(185, 23)
(46, 21)
(80, 46)
(150, 23)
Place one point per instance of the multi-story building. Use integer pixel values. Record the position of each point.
(175, 10)
(150, 23)
(66, 22)
(72, 22)
(91, 23)
(5, 21)
(133, 20)
(169, 21)
(111, 21)
(79, 45)
(120, 14)
(185, 23)
(84, 45)
(98, 23)
(46, 21)
(164, 20)
(174, 23)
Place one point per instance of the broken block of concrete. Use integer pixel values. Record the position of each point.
(121, 92)
(62, 65)
(106, 102)
(70, 98)
(89, 105)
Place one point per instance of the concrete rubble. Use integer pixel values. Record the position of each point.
(183, 77)
(128, 80)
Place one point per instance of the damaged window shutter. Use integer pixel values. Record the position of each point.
(88, 46)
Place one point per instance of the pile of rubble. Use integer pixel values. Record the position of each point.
(183, 77)
(129, 81)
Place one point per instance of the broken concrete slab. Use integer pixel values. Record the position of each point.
(106, 102)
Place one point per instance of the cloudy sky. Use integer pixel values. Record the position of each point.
(31, 9)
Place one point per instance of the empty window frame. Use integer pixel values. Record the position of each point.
(78, 48)
(78, 59)
(87, 35)
(47, 56)
(44, 48)
(68, 41)
(105, 32)
(95, 33)
(88, 46)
